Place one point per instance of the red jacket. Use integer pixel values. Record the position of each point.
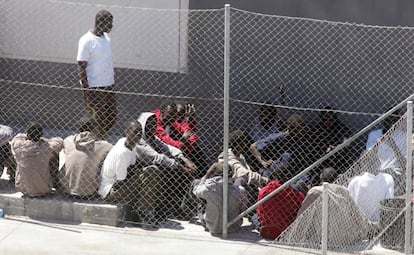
(178, 127)
(277, 213)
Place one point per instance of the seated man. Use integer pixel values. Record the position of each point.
(242, 173)
(328, 175)
(185, 125)
(239, 167)
(33, 154)
(348, 226)
(210, 188)
(270, 119)
(291, 147)
(6, 156)
(167, 121)
(124, 181)
(368, 190)
(176, 169)
(84, 154)
(277, 213)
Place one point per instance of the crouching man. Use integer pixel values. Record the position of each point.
(126, 182)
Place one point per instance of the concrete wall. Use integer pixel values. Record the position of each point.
(339, 65)
(50, 30)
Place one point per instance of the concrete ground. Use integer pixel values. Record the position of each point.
(21, 235)
(65, 234)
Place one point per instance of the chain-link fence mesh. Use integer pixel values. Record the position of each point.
(298, 88)
(161, 57)
(366, 201)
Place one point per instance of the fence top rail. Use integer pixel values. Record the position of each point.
(135, 7)
(326, 21)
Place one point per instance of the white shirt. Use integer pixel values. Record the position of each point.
(115, 166)
(387, 156)
(368, 190)
(96, 50)
(6, 134)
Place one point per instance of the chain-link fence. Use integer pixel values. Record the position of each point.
(298, 88)
(367, 200)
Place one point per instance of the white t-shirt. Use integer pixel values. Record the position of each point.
(115, 166)
(368, 190)
(387, 156)
(98, 53)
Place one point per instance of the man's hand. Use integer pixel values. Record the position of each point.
(189, 164)
(189, 110)
(264, 181)
(187, 134)
(266, 163)
(187, 170)
(330, 148)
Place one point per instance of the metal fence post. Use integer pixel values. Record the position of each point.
(408, 216)
(325, 222)
(226, 114)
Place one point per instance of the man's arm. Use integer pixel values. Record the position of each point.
(258, 156)
(147, 155)
(261, 144)
(189, 166)
(83, 78)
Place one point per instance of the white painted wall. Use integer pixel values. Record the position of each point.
(49, 30)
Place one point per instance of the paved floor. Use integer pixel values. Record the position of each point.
(22, 235)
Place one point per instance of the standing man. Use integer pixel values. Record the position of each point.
(96, 72)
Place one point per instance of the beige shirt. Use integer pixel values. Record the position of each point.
(32, 158)
(84, 155)
(348, 227)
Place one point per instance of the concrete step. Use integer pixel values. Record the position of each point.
(58, 207)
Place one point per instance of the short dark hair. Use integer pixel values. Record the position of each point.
(101, 16)
(34, 131)
(328, 175)
(131, 123)
(219, 167)
(237, 139)
(295, 120)
(281, 172)
(166, 104)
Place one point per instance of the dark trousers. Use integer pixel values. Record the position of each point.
(101, 104)
(140, 190)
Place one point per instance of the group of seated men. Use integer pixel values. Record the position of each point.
(140, 170)
(282, 155)
(150, 168)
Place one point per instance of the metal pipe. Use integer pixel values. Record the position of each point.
(226, 115)
(409, 168)
(325, 215)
